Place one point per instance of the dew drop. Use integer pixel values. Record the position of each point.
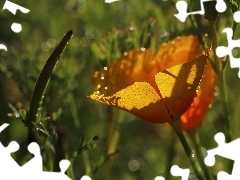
(96, 93)
(98, 86)
(9, 114)
(163, 33)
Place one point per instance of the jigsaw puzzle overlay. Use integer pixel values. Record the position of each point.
(33, 168)
(11, 170)
(221, 51)
(16, 27)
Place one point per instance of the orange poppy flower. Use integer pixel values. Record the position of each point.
(158, 87)
(194, 115)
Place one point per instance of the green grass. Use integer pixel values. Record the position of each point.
(101, 34)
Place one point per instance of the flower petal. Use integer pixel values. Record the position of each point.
(193, 117)
(178, 51)
(142, 66)
(134, 66)
(178, 84)
(140, 99)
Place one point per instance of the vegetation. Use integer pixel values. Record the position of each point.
(99, 140)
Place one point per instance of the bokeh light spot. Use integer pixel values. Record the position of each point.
(160, 168)
(133, 165)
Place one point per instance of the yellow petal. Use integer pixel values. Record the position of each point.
(179, 83)
(140, 99)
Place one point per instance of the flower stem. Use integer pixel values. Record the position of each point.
(116, 134)
(171, 153)
(222, 83)
(177, 129)
(222, 87)
(193, 135)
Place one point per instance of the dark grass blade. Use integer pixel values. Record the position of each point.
(44, 77)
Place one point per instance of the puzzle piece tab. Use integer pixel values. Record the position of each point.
(10, 169)
(177, 171)
(222, 51)
(12, 7)
(227, 150)
(5, 156)
(182, 9)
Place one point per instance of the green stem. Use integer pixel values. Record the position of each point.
(116, 134)
(171, 154)
(223, 95)
(222, 83)
(74, 111)
(112, 148)
(111, 112)
(77, 124)
(177, 129)
(222, 87)
(197, 147)
(215, 45)
(86, 162)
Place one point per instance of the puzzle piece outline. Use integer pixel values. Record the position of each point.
(31, 169)
(181, 6)
(227, 150)
(222, 51)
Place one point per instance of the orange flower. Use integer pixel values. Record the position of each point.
(158, 87)
(194, 115)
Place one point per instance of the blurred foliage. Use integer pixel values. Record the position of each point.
(102, 33)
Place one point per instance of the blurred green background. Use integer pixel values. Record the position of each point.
(102, 32)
